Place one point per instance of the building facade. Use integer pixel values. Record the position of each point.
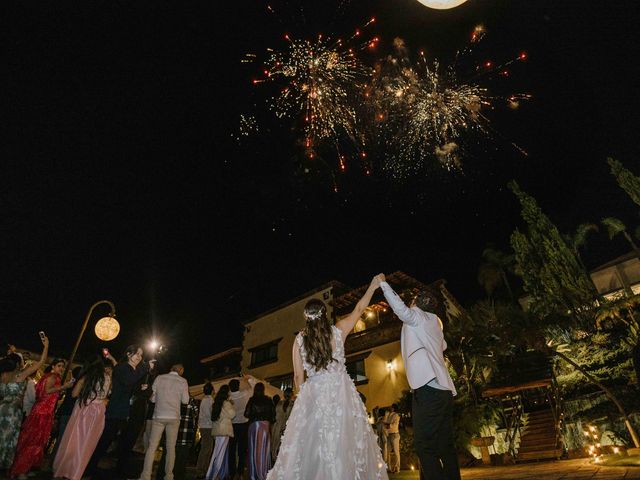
(618, 276)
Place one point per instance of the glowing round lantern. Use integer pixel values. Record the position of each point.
(107, 328)
(442, 4)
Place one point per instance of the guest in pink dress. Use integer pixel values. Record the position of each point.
(86, 422)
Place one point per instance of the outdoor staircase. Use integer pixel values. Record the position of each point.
(539, 440)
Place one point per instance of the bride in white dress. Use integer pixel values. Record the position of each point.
(328, 435)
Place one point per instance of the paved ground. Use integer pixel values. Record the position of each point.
(579, 469)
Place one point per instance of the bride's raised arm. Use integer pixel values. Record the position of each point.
(347, 323)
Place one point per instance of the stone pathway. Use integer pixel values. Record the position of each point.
(579, 469)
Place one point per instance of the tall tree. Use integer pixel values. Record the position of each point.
(615, 226)
(551, 273)
(627, 180)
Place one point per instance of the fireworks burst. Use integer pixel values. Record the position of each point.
(321, 81)
(248, 125)
(425, 109)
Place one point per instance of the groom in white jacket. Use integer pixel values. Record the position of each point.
(423, 345)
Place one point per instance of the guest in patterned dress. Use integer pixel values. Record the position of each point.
(86, 423)
(261, 415)
(13, 377)
(37, 427)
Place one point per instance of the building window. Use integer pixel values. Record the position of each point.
(356, 371)
(282, 382)
(263, 354)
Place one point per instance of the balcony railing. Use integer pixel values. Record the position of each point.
(381, 334)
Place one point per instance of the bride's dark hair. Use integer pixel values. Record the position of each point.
(317, 335)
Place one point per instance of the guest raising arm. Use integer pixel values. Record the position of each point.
(12, 386)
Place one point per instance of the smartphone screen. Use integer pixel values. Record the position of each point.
(105, 352)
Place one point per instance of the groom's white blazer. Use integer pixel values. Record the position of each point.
(422, 343)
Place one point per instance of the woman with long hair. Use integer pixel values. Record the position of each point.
(86, 423)
(13, 378)
(36, 429)
(222, 412)
(261, 415)
(328, 434)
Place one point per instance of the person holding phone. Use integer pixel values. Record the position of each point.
(13, 377)
(36, 429)
(126, 375)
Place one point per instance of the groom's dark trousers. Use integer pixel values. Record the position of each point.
(433, 434)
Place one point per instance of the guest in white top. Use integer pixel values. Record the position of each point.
(204, 424)
(170, 391)
(392, 424)
(240, 392)
(222, 413)
(423, 344)
(29, 396)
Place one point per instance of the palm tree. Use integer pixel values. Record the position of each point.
(559, 351)
(616, 226)
(622, 311)
(579, 239)
(493, 271)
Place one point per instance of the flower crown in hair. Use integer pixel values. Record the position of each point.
(315, 316)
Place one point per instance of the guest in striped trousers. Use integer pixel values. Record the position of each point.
(261, 415)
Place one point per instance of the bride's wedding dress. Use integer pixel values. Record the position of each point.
(328, 436)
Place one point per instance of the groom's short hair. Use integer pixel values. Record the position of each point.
(426, 301)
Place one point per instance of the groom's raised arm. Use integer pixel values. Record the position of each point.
(404, 313)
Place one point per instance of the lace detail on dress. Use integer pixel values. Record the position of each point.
(328, 435)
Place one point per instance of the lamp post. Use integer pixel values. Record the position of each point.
(112, 314)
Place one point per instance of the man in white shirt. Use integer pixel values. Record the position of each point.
(205, 424)
(423, 345)
(239, 394)
(170, 391)
(392, 425)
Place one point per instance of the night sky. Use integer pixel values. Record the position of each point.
(122, 179)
